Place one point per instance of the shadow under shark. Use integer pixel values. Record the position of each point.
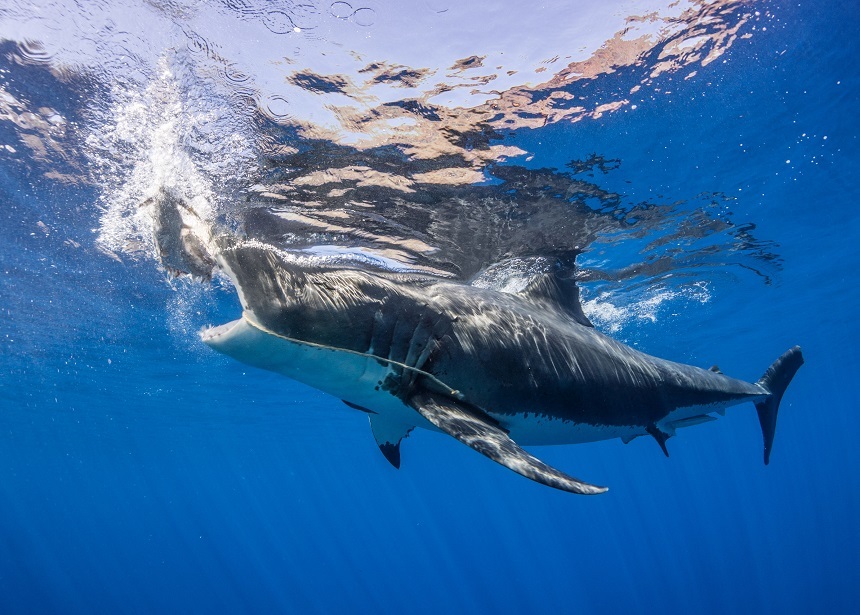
(494, 370)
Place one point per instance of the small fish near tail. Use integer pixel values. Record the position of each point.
(775, 380)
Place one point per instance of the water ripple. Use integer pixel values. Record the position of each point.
(34, 53)
(397, 148)
(246, 7)
(364, 16)
(278, 22)
(276, 107)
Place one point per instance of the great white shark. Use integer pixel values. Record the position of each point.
(495, 370)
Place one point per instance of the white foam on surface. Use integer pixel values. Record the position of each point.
(610, 313)
(149, 139)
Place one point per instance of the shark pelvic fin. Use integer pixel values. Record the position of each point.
(388, 436)
(660, 436)
(485, 436)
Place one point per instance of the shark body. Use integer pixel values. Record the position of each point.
(494, 370)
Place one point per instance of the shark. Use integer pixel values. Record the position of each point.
(495, 370)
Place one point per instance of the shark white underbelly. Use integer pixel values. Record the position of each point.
(356, 378)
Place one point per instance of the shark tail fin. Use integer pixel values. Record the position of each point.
(775, 381)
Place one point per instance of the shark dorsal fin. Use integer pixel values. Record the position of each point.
(559, 291)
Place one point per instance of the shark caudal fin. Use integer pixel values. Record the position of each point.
(776, 380)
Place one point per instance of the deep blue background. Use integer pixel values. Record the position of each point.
(139, 472)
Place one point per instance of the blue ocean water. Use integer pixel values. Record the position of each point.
(141, 472)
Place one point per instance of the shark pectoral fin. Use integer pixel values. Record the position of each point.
(481, 434)
(388, 435)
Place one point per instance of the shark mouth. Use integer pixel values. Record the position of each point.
(211, 335)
